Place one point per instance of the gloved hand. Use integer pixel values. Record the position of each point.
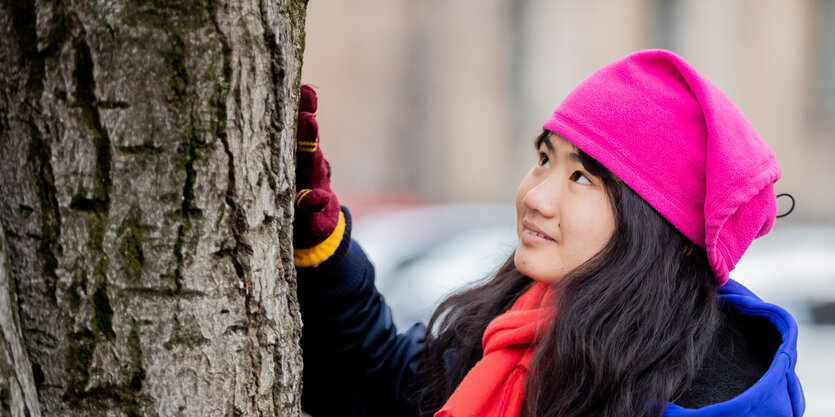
(318, 224)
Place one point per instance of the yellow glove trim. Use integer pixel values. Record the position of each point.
(301, 194)
(320, 253)
(307, 146)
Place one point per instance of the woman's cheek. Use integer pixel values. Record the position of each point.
(596, 223)
(580, 233)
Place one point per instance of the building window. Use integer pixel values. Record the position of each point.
(824, 88)
(666, 17)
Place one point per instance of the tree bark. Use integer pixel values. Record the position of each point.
(17, 385)
(146, 186)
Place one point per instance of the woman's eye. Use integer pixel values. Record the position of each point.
(580, 178)
(543, 160)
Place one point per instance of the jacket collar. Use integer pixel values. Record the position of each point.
(777, 392)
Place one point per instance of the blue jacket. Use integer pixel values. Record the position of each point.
(357, 364)
(777, 391)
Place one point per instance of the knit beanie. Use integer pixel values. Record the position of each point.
(681, 144)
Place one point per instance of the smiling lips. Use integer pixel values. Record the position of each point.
(533, 231)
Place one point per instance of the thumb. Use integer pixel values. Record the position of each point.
(312, 201)
(307, 130)
(307, 100)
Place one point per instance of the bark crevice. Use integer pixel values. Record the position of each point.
(49, 247)
(18, 383)
(241, 249)
(189, 152)
(85, 98)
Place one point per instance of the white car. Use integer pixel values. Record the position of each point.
(422, 254)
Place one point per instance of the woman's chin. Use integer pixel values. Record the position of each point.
(532, 268)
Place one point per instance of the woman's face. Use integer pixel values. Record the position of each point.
(563, 213)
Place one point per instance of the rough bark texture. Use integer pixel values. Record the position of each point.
(146, 182)
(17, 385)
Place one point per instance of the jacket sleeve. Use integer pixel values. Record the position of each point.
(355, 362)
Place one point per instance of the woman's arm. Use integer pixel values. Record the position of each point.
(355, 363)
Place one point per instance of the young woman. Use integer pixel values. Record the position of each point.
(647, 188)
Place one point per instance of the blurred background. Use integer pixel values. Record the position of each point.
(428, 110)
(440, 100)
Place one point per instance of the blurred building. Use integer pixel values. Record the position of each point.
(440, 100)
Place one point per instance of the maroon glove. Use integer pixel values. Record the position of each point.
(318, 224)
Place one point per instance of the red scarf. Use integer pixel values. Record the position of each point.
(495, 386)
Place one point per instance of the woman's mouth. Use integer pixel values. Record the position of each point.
(535, 238)
(530, 227)
(533, 235)
(537, 234)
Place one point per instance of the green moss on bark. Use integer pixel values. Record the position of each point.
(189, 152)
(132, 410)
(131, 248)
(78, 361)
(175, 64)
(217, 105)
(125, 396)
(221, 211)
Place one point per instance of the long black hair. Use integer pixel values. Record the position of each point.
(632, 326)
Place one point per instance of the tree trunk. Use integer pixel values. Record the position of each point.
(146, 183)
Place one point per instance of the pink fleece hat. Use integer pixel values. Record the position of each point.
(676, 140)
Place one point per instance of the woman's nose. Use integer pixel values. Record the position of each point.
(543, 197)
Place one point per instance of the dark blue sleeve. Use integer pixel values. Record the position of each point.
(355, 362)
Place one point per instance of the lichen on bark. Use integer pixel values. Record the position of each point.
(133, 257)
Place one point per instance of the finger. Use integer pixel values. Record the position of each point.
(312, 201)
(308, 101)
(307, 133)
